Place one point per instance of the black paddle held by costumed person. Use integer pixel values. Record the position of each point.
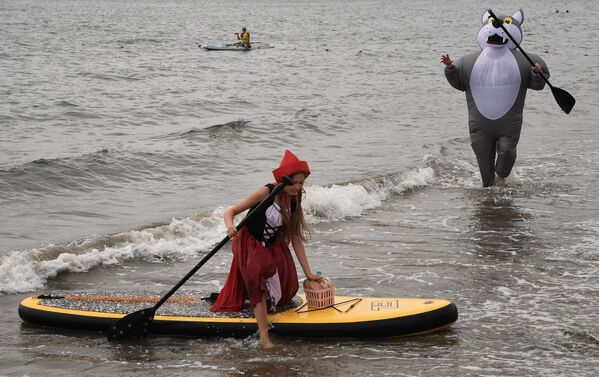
(564, 99)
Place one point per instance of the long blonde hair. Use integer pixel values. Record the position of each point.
(294, 223)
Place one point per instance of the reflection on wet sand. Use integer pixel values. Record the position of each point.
(499, 228)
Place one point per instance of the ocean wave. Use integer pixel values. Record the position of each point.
(453, 172)
(112, 77)
(29, 270)
(64, 103)
(90, 171)
(527, 180)
(212, 130)
(353, 199)
(140, 40)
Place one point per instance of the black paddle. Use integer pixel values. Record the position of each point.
(563, 98)
(135, 325)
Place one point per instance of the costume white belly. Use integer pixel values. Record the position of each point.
(495, 82)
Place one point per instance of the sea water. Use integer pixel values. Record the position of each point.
(122, 142)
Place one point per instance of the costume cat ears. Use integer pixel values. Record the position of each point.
(518, 16)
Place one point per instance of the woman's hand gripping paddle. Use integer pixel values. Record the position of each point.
(135, 325)
(563, 98)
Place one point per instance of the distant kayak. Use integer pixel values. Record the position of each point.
(236, 47)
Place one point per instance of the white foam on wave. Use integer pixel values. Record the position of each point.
(463, 172)
(29, 270)
(452, 173)
(337, 202)
(24, 271)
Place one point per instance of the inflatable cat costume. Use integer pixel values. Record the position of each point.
(495, 81)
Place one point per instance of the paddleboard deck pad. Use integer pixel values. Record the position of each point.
(188, 313)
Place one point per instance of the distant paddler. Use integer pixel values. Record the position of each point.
(243, 38)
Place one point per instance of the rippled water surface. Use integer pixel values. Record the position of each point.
(121, 143)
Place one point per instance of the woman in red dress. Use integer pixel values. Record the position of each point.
(262, 269)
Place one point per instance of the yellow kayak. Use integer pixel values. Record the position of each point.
(355, 317)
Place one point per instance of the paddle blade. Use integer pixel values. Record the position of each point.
(564, 99)
(132, 326)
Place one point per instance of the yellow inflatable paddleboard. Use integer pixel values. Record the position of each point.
(189, 314)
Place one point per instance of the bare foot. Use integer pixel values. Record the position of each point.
(266, 343)
(501, 181)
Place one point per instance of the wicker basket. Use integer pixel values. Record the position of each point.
(320, 294)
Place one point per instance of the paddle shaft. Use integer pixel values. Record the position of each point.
(249, 216)
(518, 46)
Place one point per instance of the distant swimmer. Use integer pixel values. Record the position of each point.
(244, 38)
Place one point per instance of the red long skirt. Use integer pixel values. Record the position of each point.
(252, 267)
